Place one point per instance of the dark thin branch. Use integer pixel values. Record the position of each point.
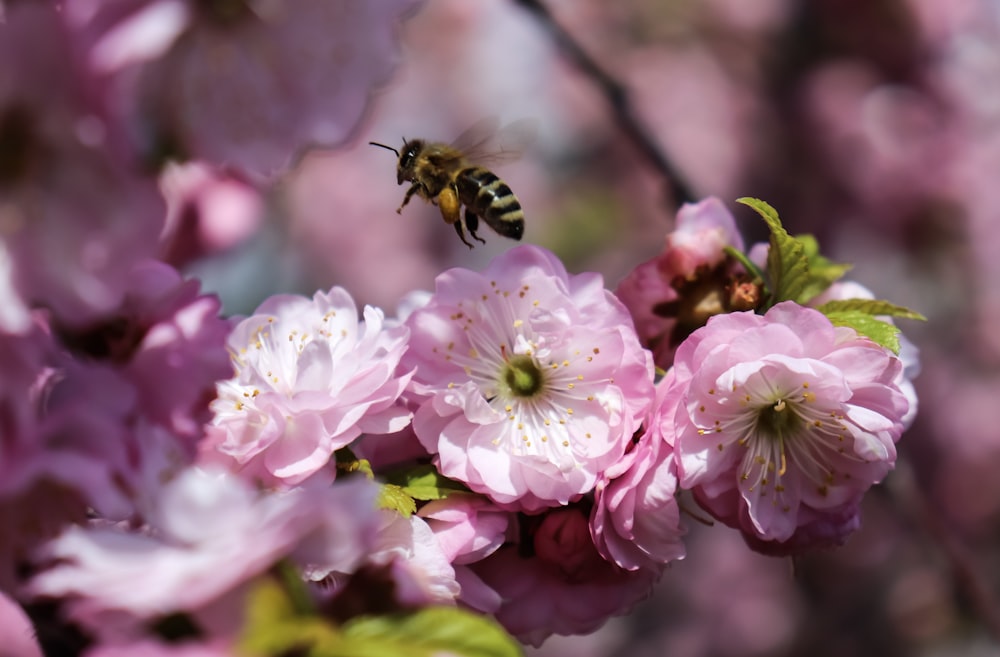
(617, 96)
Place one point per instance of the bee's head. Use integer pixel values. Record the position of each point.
(407, 159)
(404, 169)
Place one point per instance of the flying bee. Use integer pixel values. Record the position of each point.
(451, 176)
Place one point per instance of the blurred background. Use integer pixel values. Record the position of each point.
(873, 124)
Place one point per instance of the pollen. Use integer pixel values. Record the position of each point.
(518, 323)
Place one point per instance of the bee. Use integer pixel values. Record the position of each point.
(451, 176)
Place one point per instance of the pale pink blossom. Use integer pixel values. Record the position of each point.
(468, 527)
(310, 378)
(559, 584)
(420, 569)
(785, 421)
(532, 380)
(635, 522)
(209, 535)
(675, 292)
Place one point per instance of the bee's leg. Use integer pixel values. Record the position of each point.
(472, 223)
(414, 188)
(449, 204)
(461, 235)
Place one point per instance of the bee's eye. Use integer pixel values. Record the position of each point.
(407, 158)
(410, 150)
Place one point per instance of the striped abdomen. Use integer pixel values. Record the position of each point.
(488, 197)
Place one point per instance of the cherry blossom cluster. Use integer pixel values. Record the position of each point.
(511, 445)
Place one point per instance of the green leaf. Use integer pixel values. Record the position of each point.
(424, 482)
(273, 627)
(425, 633)
(796, 271)
(823, 272)
(869, 307)
(745, 260)
(394, 498)
(879, 331)
(787, 263)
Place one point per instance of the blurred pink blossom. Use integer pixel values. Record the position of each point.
(297, 73)
(66, 443)
(17, 635)
(310, 378)
(207, 211)
(533, 380)
(168, 342)
(150, 648)
(635, 522)
(785, 421)
(76, 212)
(209, 535)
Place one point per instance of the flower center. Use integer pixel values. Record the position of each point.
(521, 376)
(778, 420)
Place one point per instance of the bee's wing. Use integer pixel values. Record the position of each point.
(487, 143)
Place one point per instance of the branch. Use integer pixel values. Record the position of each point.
(617, 96)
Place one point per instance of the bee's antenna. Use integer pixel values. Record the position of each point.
(390, 148)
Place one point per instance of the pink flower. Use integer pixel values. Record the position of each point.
(309, 379)
(65, 445)
(168, 342)
(636, 521)
(209, 535)
(420, 569)
(207, 211)
(469, 528)
(560, 584)
(676, 292)
(533, 380)
(785, 421)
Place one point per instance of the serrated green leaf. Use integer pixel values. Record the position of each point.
(870, 307)
(787, 263)
(428, 632)
(394, 498)
(879, 331)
